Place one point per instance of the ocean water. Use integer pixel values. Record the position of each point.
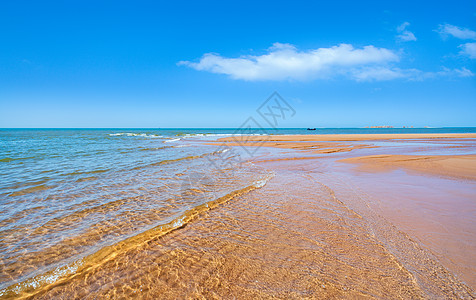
(71, 199)
(68, 195)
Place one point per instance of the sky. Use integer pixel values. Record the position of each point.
(211, 64)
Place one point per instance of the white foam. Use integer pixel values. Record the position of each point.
(136, 134)
(172, 140)
(189, 135)
(262, 182)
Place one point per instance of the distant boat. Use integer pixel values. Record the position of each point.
(311, 129)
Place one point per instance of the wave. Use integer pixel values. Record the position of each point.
(86, 172)
(169, 161)
(41, 283)
(155, 148)
(188, 135)
(172, 140)
(136, 134)
(87, 179)
(179, 136)
(33, 189)
(9, 159)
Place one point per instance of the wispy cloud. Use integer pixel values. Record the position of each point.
(469, 49)
(445, 72)
(404, 34)
(286, 62)
(389, 73)
(446, 30)
(377, 73)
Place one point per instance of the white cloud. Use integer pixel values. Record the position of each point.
(445, 72)
(376, 73)
(463, 72)
(469, 49)
(458, 32)
(403, 26)
(284, 61)
(389, 73)
(405, 35)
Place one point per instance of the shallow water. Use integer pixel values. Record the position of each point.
(66, 195)
(293, 238)
(92, 213)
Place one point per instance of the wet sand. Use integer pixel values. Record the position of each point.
(461, 166)
(443, 221)
(331, 143)
(320, 228)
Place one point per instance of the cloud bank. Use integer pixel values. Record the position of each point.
(286, 62)
(405, 35)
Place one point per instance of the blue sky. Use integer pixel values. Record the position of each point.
(212, 63)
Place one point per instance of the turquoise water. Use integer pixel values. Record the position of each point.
(66, 194)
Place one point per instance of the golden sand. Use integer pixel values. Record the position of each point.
(462, 166)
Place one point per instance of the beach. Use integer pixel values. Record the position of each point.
(300, 216)
(238, 150)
